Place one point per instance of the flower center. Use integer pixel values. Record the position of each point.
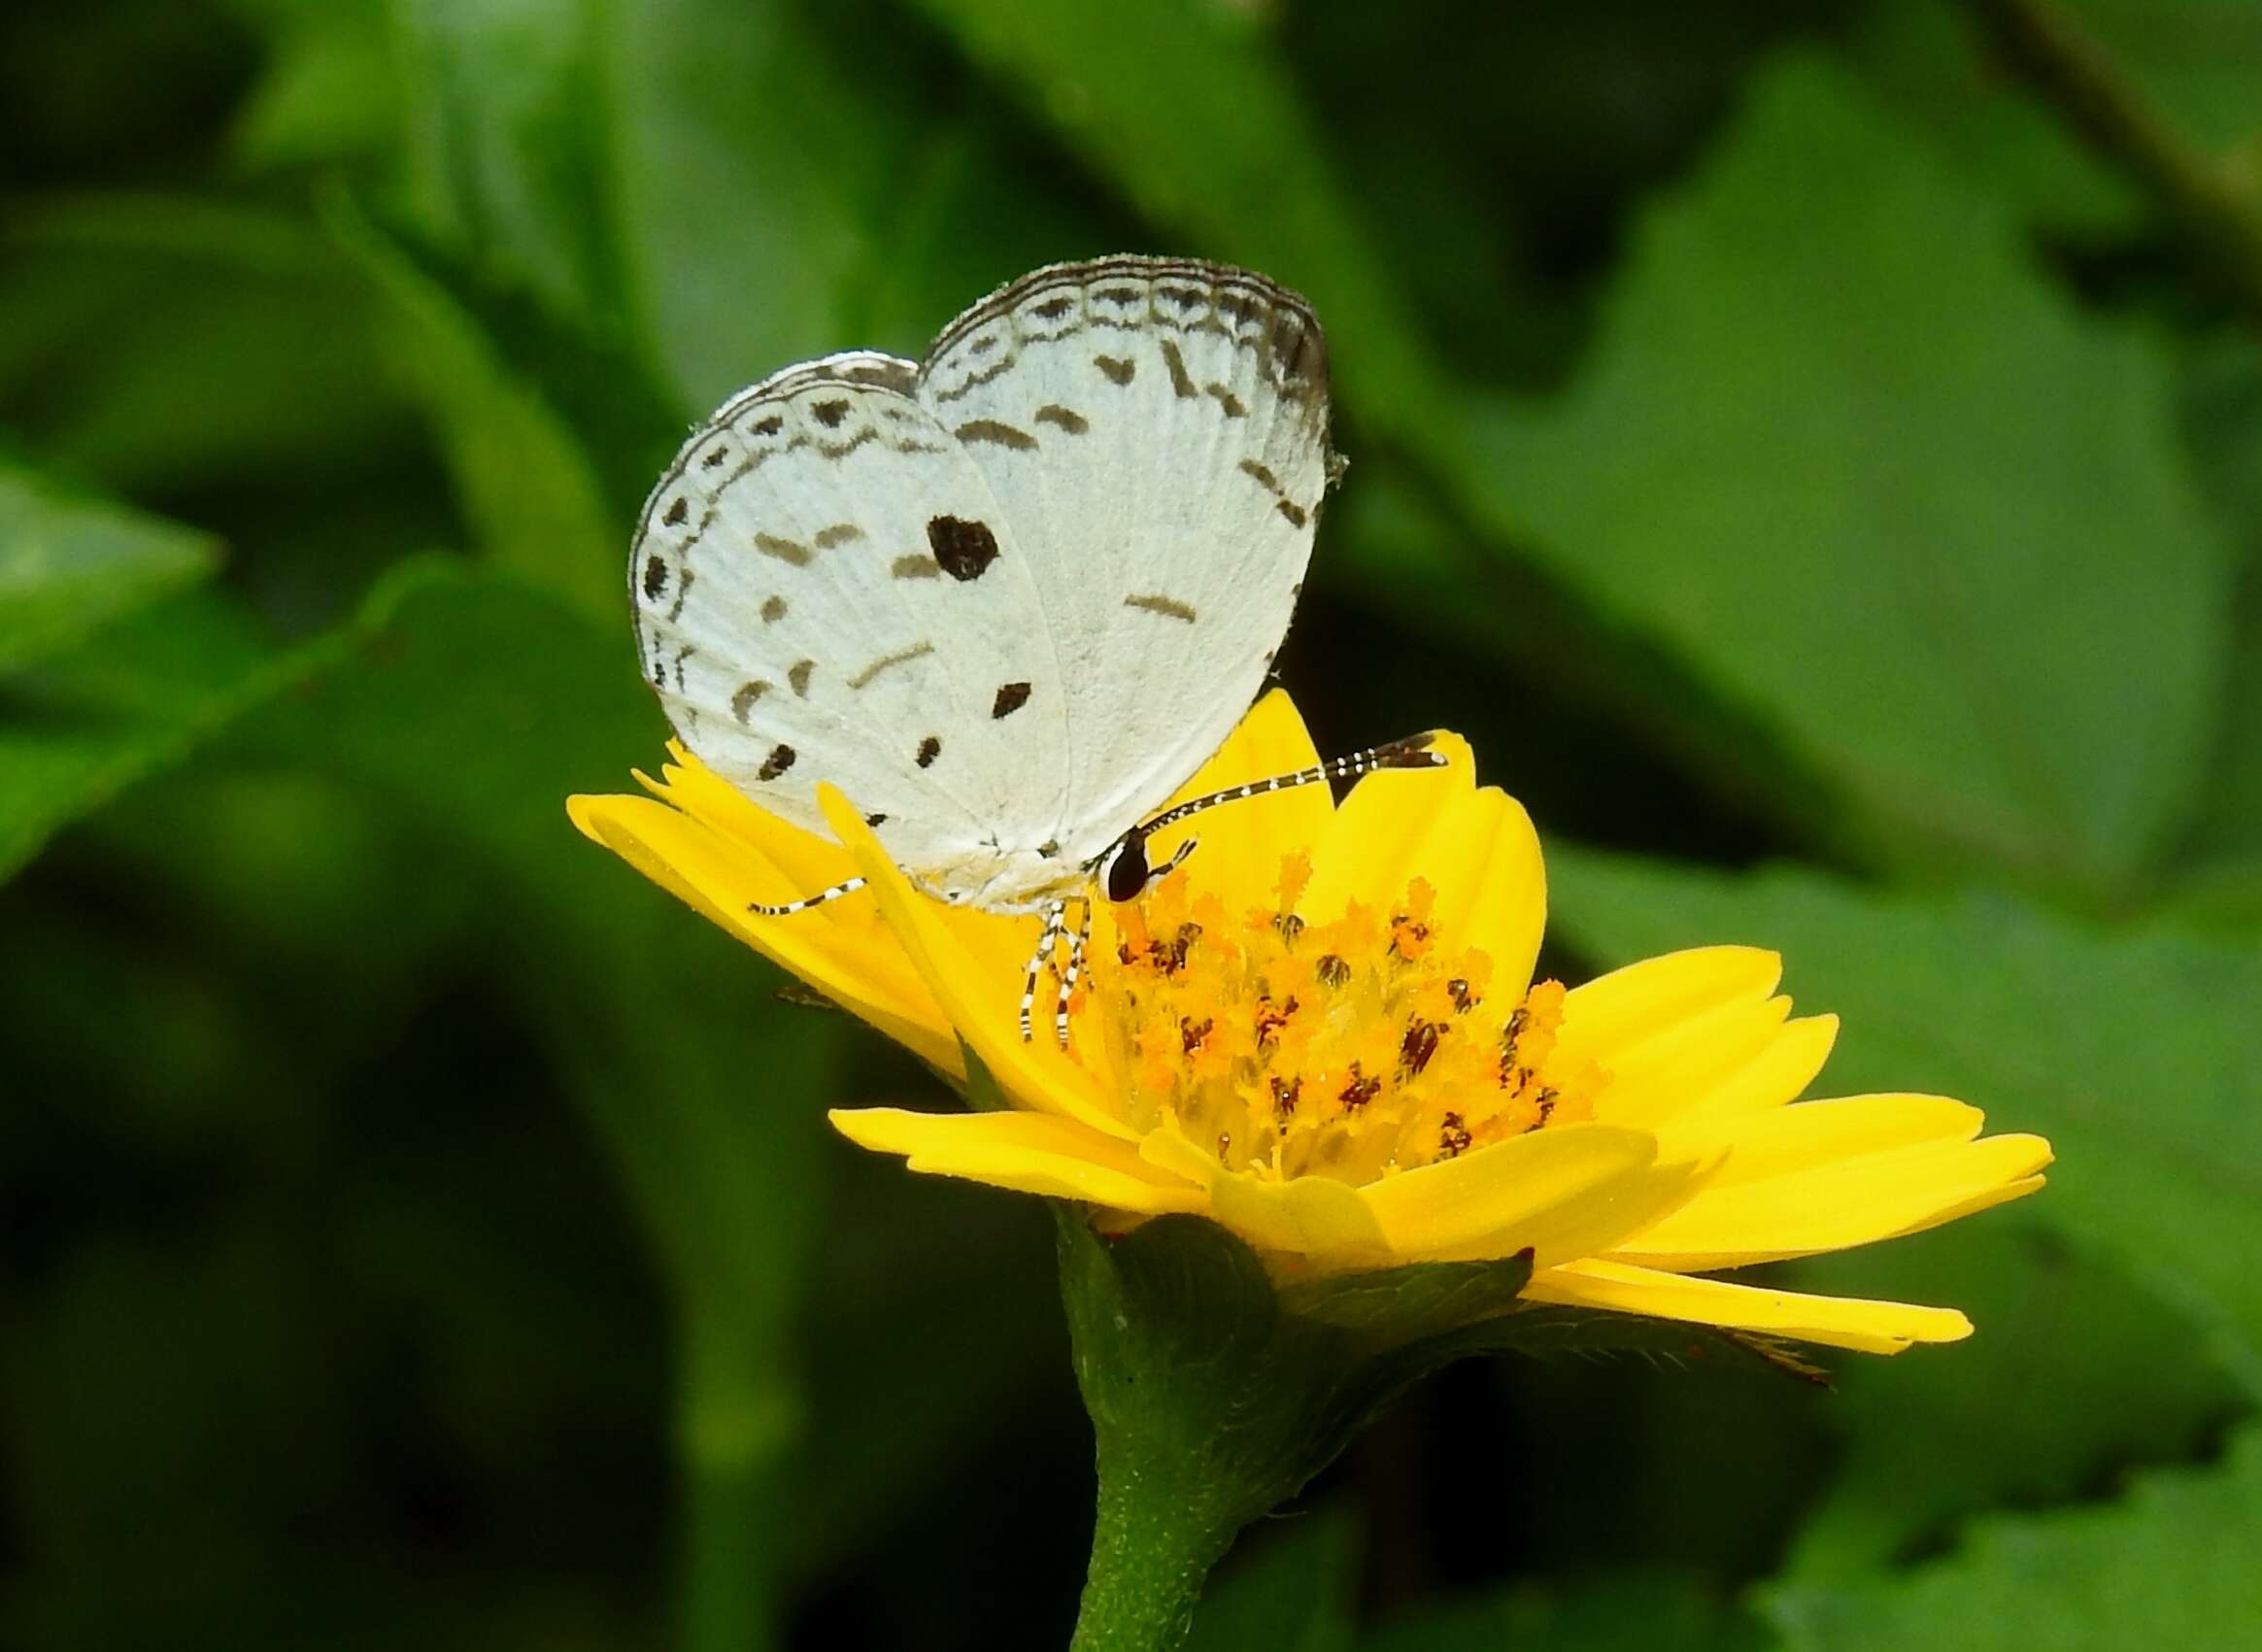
(1349, 1049)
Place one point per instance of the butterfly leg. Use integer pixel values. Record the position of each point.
(1176, 859)
(1056, 915)
(1077, 944)
(760, 910)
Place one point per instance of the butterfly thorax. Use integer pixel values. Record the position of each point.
(1009, 881)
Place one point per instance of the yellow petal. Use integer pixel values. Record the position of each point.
(1325, 1225)
(981, 998)
(1242, 842)
(1673, 1030)
(1562, 1192)
(1506, 910)
(1784, 1140)
(1373, 845)
(840, 948)
(1037, 1153)
(1652, 1083)
(1842, 1321)
(1827, 1175)
(809, 862)
(1617, 1012)
(1775, 1075)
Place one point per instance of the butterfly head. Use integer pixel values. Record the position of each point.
(1122, 873)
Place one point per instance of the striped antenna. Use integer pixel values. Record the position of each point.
(1412, 752)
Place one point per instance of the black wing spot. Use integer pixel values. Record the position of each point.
(678, 512)
(769, 426)
(839, 533)
(715, 458)
(915, 568)
(962, 550)
(994, 431)
(1052, 309)
(1119, 369)
(780, 759)
(773, 609)
(743, 700)
(798, 677)
(929, 749)
(1011, 697)
(829, 414)
(654, 578)
(1295, 513)
(1181, 380)
(918, 651)
(879, 819)
(1067, 419)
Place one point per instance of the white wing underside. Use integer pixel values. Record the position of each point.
(1008, 600)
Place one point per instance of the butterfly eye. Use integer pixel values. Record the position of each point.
(1124, 873)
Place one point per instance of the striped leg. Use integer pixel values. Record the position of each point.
(1055, 913)
(817, 899)
(1413, 751)
(1177, 858)
(1072, 975)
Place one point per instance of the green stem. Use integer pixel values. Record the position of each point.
(2216, 213)
(725, 1588)
(1214, 1396)
(1153, 1544)
(736, 1419)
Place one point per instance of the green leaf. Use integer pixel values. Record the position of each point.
(750, 158)
(2170, 1564)
(477, 704)
(1188, 108)
(142, 692)
(170, 344)
(2223, 422)
(2194, 62)
(2033, 1410)
(2130, 1048)
(506, 142)
(330, 89)
(68, 564)
(1843, 447)
(527, 486)
(1632, 1611)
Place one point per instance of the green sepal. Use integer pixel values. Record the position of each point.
(980, 1090)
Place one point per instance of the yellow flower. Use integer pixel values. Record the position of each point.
(1322, 1033)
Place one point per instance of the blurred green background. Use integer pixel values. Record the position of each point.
(1814, 452)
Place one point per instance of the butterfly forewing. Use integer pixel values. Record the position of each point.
(826, 589)
(1156, 431)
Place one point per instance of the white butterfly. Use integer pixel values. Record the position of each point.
(1009, 597)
